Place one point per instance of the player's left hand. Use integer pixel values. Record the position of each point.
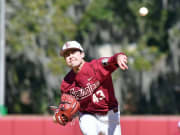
(122, 61)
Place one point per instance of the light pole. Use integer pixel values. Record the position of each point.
(2, 57)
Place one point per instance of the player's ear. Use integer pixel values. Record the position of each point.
(82, 54)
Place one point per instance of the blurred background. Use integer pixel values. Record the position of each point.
(32, 33)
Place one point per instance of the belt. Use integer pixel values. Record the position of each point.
(115, 110)
(102, 113)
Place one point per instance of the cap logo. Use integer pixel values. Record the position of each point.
(67, 45)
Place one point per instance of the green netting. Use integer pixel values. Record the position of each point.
(3, 110)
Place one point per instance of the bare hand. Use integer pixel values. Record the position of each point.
(122, 61)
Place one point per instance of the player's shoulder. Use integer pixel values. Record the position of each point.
(67, 81)
(100, 61)
(93, 61)
(69, 76)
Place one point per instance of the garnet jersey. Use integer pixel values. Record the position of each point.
(92, 86)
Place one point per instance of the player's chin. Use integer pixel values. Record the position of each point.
(70, 65)
(75, 64)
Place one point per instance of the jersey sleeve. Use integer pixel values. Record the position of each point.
(104, 66)
(68, 82)
(109, 63)
(64, 87)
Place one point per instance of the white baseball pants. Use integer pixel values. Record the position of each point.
(108, 124)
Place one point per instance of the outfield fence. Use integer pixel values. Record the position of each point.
(131, 125)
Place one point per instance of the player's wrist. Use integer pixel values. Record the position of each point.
(113, 59)
(54, 119)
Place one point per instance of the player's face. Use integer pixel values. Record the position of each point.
(74, 58)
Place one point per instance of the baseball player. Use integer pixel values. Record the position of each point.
(91, 85)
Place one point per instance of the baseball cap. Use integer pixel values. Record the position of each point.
(70, 45)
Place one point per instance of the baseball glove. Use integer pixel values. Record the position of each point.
(67, 109)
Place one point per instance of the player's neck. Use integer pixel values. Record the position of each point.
(78, 68)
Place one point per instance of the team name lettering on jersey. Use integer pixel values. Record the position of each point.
(84, 92)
